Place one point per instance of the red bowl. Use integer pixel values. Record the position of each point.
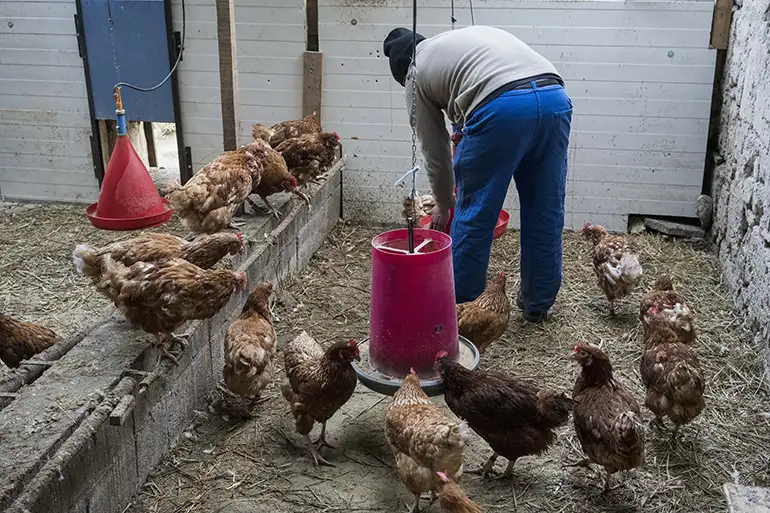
(500, 227)
(105, 223)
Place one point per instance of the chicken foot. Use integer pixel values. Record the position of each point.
(487, 468)
(416, 507)
(317, 458)
(508, 470)
(269, 210)
(585, 462)
(321, 441)
(236, 223)
(164, 351)
(302, 195)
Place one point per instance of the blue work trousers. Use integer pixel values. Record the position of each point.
(522, 134)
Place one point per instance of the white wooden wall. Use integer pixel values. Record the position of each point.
(270, 43)
(198, 76)
(45, 152)
(639, 73)
(270, 39)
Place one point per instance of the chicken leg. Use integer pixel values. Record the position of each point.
(508, 470)
(416, 507)
(487, 468)
(321, 442)
(317, 458)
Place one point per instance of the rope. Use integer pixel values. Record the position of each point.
(173, 69)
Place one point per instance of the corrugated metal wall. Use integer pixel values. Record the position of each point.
(640, 75)
(45, 153)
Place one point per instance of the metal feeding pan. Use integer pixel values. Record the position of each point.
(387, 385)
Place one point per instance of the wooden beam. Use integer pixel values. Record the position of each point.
(312, 83)
(228, 73)
(311, 21)
(152, 154)
(720, 24)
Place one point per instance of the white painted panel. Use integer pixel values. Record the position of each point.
(45, 128)
(639, 74)
(271, 43)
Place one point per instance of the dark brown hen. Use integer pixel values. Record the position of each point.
(671, 374)
(607, 417)
(318, 383)
(514, 417)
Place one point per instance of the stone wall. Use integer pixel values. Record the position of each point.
(741, 185)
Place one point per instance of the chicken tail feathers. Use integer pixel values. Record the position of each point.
(87, 261)
(630, 268)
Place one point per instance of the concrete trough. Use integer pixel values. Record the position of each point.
(84, 436)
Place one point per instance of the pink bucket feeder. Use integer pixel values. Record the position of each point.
(413, 313)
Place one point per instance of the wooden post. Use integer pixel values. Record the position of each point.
(312, 63)
(152, 154)
(312, 83)
(720, 24)
(228, 73)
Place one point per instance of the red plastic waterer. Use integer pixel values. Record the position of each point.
(129, 199)
(413, 314)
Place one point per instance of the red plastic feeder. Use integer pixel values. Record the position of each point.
(129, 199)
(413, 314)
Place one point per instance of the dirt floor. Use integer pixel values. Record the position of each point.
(224, 464)
(38, 282)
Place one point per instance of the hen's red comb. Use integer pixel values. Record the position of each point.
(353, 343)
(443, 476)
(412, 371)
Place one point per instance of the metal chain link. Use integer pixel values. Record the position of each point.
(412, 75)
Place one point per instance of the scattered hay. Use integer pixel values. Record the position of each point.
(262, 465)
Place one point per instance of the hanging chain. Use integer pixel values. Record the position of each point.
(452, 15)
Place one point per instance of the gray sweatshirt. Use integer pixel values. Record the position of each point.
(456, 70)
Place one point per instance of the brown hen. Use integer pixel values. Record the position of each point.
(21, 340)
(607, 417)
(250, 346)
(452, 498)
(207, 202)
(424, 439)
(669, 306)
(671, 374)
(616, 266)
(485, 319)
(275, 176)
(161, 296)
(286, 130)
(317, 384)
(514, 417)
(204, 251)
(310, 156)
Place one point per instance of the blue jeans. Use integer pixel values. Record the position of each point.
(521, 134)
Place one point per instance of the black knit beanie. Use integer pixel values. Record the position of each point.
(398, 49)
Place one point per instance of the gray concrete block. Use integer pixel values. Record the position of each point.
(747, 499)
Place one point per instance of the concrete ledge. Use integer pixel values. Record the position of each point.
(747, 499)
(62, 454)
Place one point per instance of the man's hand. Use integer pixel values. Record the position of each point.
(439, 217)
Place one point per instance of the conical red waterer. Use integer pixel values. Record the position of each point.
(129, 199)
(413, 314)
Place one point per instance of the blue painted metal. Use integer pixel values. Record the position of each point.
(121, 125)
(140, 49)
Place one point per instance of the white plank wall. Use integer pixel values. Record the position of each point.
(45, 152)
(639, 74)
(270, 43)
(198, 76)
